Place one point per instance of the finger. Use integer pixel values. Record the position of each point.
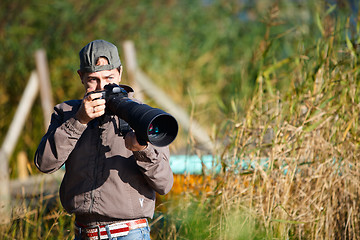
(97, 113)
(98, 102)
(94, 96)
(90, 89)
(88, 92)
(98, 108)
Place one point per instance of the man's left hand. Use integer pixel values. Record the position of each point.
(132, 144)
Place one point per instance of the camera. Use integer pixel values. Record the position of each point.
(150, 124)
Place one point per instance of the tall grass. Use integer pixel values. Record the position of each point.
(38, 218)
(309, 186)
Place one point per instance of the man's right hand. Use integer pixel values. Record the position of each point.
(90, 108)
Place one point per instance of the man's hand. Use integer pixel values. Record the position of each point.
(90, 108)
(132, 144)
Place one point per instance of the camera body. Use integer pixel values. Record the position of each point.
(111, 90)
(150, 124)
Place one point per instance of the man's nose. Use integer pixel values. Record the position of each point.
(100, 85)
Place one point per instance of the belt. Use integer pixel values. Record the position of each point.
(117, 229)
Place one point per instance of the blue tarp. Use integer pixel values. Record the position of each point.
(193, 164)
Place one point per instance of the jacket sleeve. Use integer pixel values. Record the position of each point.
(155, 166)
(59, 141)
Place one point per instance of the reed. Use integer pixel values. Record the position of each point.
(39, 218)
(309, 187)
(308, 135)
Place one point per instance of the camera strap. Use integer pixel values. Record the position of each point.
(123, 127)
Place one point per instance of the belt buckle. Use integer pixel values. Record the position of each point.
(92, 233)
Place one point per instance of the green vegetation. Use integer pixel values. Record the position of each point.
(278, 79)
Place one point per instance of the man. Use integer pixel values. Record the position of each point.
(110, 179)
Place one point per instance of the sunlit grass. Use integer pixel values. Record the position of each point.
(39, 218)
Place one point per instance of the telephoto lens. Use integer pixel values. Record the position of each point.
(150, 124)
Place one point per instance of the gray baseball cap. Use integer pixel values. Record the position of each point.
(95, 49)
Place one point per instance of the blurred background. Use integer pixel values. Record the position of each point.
(244, 70)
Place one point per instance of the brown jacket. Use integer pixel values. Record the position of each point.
(104, 182)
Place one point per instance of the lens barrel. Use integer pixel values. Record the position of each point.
(150, 124)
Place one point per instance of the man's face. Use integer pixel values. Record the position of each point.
(97, 80)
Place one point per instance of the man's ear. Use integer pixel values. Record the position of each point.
(80, 75)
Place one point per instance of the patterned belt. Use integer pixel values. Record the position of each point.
(117, 229)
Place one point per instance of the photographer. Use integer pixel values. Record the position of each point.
(110, 179)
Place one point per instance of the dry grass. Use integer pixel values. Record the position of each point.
(304, 146)
(307, 189)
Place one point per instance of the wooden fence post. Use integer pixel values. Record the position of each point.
(5, 212)
(131, 68)
(22, 165)
(10, 141)
(45, 86)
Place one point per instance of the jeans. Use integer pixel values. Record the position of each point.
(136, 234)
